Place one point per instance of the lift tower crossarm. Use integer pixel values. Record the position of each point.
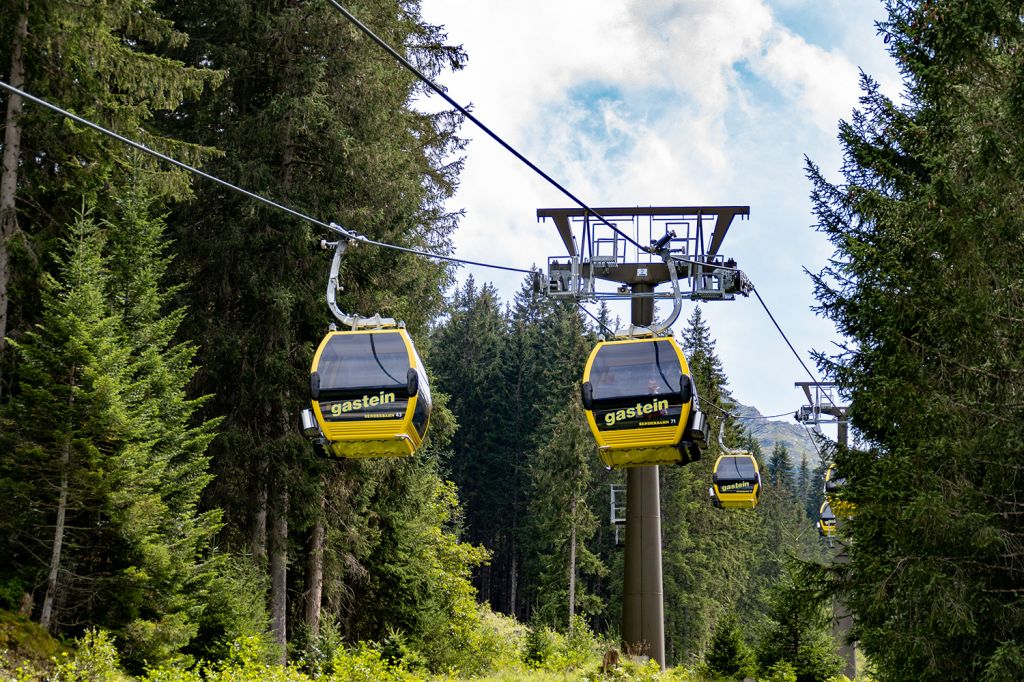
(819, 401)
(644, 247)
(562, 219)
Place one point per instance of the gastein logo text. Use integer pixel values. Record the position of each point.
(612, 418)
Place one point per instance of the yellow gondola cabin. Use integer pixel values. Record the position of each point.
(834, 483)
(640, 403)
(370, 396)
(736, 481)
(826, 521)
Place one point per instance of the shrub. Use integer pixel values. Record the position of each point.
(729, 655)
(502, 642)
(94, 660)
(317, 651)
(366, 664)
(542, 644)
(782, 671)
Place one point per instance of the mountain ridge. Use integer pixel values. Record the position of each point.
(768, 432)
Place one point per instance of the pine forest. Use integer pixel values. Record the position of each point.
(164, 515)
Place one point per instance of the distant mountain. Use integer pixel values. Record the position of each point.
(769, 431)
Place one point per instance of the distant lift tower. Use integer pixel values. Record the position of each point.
(823, 408)
(684, 243)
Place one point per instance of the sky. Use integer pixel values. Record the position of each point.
(667, 103)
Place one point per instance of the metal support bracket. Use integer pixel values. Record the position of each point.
(334, 286)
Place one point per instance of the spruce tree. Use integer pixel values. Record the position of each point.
(798, 629)
(561, 474)
(705, 550)
(174, 544)
(320, 120)
(468, 359)
(925, 284)
(780, 468)
(107, 62)
(522, 377)
(129, 550)
(729, 656)
(70, 423)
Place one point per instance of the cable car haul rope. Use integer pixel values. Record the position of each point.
(648, 414)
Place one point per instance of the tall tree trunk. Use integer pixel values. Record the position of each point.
(279, 567)
(9, 174)
(258, 519)
(315, 572)
(279, 505)
(513, 582)
(58, 538)
(572, 561)
(46, 616)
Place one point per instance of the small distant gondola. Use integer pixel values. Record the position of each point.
(826, 521)
(640, 403)
(834, 483)
(736, 481)
(370, 396)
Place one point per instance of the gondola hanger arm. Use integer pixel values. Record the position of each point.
(721, 441)
(663, 328)
(334, 286)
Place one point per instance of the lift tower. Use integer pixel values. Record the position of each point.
(687, 240)
(823, 408)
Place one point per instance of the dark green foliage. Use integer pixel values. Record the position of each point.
(417, 570)
(511, 374)
(319, 120)
(780, 468)
(561, 473)
(926, 284)
(728, 654)
(107, 62)
(125, 455)
(468, 359)
(798, 629)
(708, 554)
(70, 422)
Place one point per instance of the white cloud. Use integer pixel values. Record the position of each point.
(662, 102)
(693, 46)
(823, 84)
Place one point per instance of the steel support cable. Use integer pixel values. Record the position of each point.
(355, 236)
(595, 318)
(152, 152)
(730, 415)
(465, 112)
(786, 339)
(333, 227)
(811, 437)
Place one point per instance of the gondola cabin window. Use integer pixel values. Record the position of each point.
(636, 385)
(363, 376)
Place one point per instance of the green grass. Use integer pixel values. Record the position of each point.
(25, 644)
